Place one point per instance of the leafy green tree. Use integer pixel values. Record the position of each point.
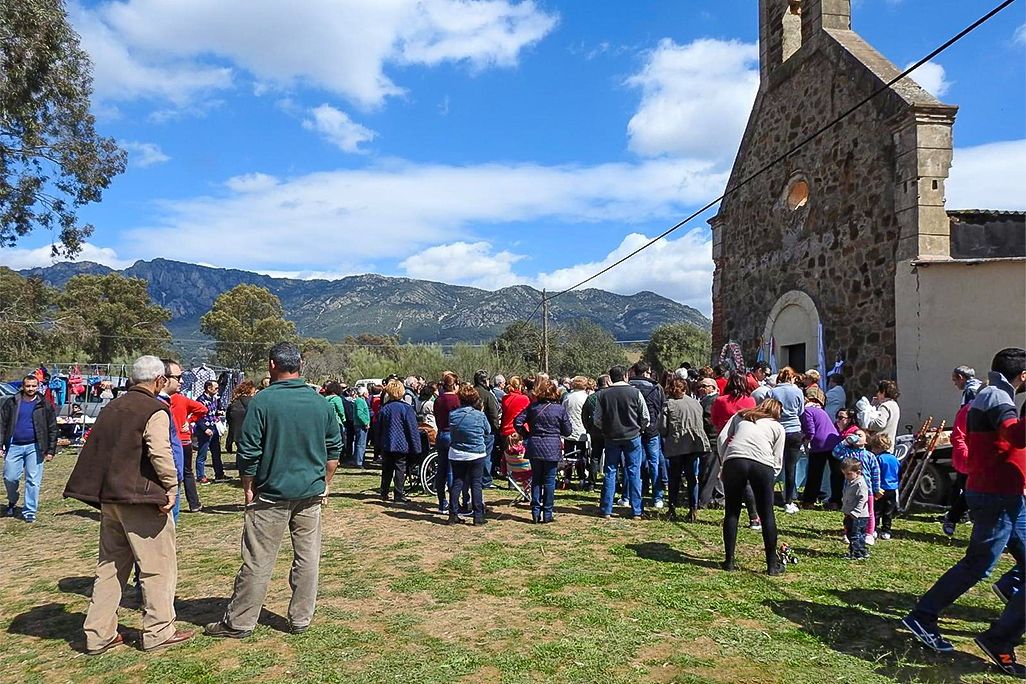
(672, 345)
(584, 348)
(52, 161)
(246, 321)
(519, 347)
(111, 316)
(24, 309)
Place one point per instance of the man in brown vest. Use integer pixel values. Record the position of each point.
(127, 470)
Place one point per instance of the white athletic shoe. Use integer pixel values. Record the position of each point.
(791, 509)
(659, 504)
(870, 540)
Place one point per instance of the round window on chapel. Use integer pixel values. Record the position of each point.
(797, 194)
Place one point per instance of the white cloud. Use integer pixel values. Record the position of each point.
(679, 268)
(336, 126)
(21, 258)
(123, 72)
(931, 78)
(332, 221)
(178, 49)
(1020, 35)
(143, 154)
(695, 99)
(464, 263)
(251, 182)
(990, 176)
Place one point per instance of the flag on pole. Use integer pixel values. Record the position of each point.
(821, 357)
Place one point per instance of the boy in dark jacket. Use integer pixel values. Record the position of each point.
(655, 469)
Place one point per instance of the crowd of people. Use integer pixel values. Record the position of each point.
(700, 438)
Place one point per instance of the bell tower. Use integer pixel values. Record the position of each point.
(786, 25)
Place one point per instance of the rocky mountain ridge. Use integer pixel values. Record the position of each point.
(414, 310)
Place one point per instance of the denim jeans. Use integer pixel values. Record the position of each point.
(653, 447)
(443, 477)
(684, 467)
(466, 475)
(997, 521)
(486, 467)
(359, 445)
(543, 488)
(631, 453)
(22, 458)
(856, 528)
(212, 444)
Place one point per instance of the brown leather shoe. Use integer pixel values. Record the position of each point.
(118, 640)
(178, 637)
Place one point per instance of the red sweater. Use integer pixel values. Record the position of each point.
(513, 404)
(185, 412)
(725, 406)
(995, 437)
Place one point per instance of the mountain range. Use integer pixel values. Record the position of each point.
(413, 310)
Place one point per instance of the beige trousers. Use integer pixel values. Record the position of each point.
(262, 535)
(129, 534)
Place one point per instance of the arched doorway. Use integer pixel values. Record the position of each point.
(792, 330)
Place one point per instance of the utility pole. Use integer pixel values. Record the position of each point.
(545, 331)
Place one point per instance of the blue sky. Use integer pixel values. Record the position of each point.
(485, 143)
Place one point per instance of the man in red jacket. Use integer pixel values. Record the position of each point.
(185, 412)
(995, 493)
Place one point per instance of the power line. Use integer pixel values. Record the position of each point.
(957, 37)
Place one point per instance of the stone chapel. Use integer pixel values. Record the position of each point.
(847, 243)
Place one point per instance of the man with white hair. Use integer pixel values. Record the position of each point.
(127, 470)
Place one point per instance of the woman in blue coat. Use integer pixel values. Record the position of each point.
(397, 435)
(544, 424)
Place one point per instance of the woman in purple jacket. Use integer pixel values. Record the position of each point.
(543, 424)
(821, 436)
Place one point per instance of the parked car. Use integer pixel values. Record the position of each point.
(7, 390)
(367, 382)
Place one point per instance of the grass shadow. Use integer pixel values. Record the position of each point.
(874, 638)
(51, 621)
(898, 604)
(664, 553)
(87, 513)
(415, 516)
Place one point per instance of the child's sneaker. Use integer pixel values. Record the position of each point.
(790, 509)
(870, 539)
(885, 535)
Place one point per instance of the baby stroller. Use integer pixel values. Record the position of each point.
(517, 469)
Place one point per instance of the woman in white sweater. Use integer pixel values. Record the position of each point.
(887, 415)
(751, 449)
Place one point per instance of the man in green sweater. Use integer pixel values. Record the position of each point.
(287, 454)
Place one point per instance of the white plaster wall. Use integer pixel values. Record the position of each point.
(952, 313)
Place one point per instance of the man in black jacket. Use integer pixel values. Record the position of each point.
(651, 440)
(28, 438)
(622, 414)
(491, 409)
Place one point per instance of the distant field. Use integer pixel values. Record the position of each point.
(405, 599)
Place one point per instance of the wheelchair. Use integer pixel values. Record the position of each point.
(420, 473)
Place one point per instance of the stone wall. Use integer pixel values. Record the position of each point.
(840, 247)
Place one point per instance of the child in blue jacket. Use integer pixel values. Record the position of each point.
(890, 478)
(854, 446)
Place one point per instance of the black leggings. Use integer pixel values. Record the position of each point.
(792, 452)
(818, 461)
(737, 473)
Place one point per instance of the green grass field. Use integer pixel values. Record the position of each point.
(406, 599)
